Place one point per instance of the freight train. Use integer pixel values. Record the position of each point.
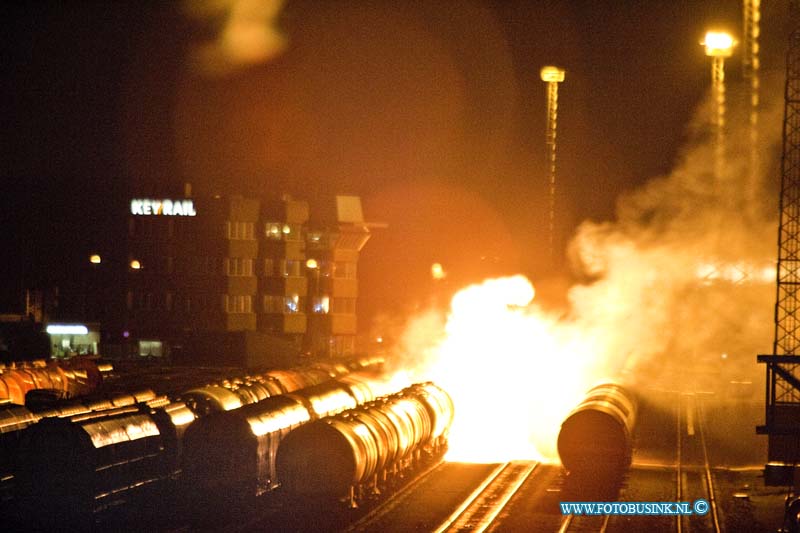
(596, 439)
(67, 464)
(354, 453)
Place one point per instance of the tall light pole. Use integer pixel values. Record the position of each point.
(750, 64)
(719, 45)
(552, 76)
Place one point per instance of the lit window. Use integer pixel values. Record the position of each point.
(292, 303)
(274, 231)
(321, 305)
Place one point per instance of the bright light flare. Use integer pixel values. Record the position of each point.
(512, 373)
(552, 74)
(67, 329)
(437, 271)
(718, 44)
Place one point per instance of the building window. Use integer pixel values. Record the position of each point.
(238, 266)
(238, 303)
(343, 306)
(272, 303)
(344, 269)
(281, 231)
(292, 304)
(292, 232)
(239, 231)
(269, 267)
(129, 300)
(168, 300)
(290, 267)
(274, 231)
(320, 304)
(277, 304)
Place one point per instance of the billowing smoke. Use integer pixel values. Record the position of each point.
(243, 33)
(676, 293)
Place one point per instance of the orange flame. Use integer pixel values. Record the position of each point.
(512, 372)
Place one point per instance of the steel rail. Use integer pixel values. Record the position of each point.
(479, 510)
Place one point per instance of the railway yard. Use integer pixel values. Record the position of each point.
(682, 453)
(685, 446)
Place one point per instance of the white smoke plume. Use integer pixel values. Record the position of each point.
(676, 293)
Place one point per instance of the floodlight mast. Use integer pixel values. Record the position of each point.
(552, 76)
(718, 45)
(750, 67)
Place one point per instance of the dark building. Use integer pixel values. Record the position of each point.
(239, 281)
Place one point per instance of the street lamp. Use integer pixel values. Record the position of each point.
(718, 46)
(552, 76)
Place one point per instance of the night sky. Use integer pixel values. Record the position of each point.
(432, 112)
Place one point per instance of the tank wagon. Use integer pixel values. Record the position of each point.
(72, 469)
(233, 393)
(13, 419)
(72, 378)
(358, 451)
(597, 436)
(230, 456)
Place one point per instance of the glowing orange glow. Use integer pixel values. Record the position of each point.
(437, 271)
(512, 373)
(95, 259)
(718, 44)
(312, 264)
(135, 264)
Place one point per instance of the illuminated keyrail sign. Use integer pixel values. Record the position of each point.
(171, 208)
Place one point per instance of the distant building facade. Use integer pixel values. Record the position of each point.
(262, 278)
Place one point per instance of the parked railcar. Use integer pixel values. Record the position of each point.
(597, 436)
(231, 455)
(342, 455)
(71, 470)
(13, 419)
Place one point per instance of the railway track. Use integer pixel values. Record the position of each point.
(694, 479)
(478, 512)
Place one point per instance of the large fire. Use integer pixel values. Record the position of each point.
(512, 372)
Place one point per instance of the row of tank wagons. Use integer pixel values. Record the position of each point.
(362, 451)
(230, 455)
(70, 469)
(232, 393)
(596, 438)
(72, 377)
